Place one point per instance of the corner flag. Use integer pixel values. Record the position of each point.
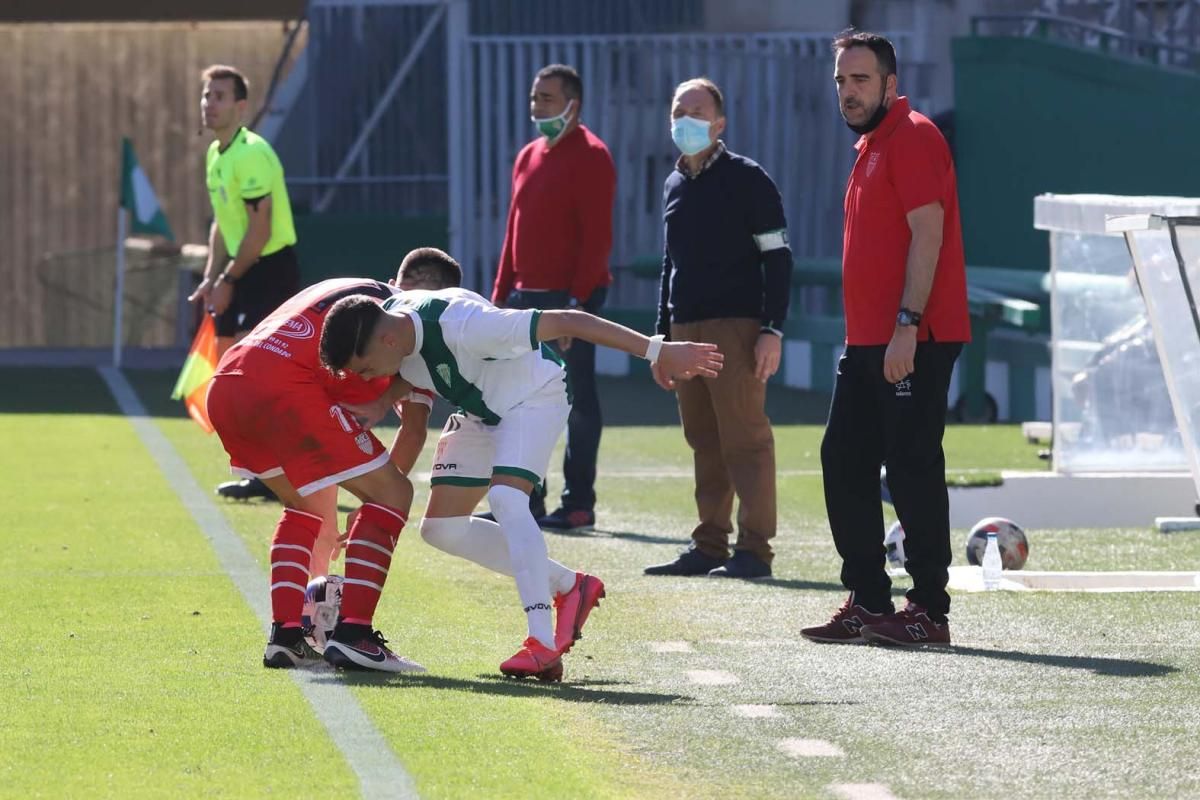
(138, 196)
(197, 373)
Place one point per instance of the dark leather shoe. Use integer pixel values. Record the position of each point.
(690, 562)
(563, 520)
(745, 565)
(245, 489)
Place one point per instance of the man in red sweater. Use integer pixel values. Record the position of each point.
(556, 247)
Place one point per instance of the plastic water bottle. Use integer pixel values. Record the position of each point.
(991, 562)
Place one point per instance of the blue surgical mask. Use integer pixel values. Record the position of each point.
(690, 135)
(552, 127)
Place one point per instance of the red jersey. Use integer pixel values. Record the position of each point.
(285, 347)
(903, 165)
(559, 231)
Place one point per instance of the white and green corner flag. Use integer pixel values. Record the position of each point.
(138, 196)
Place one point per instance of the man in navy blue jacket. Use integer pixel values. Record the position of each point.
(726, 279)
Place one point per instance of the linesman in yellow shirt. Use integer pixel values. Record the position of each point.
(252, 266)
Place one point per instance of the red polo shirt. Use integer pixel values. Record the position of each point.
(559, 231)
(902, 165)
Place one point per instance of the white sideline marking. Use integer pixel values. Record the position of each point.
(670, 647)
(862, 791)
(970, 579)
(369, 755)
(711, 677)
(756, 712)
(806, 748)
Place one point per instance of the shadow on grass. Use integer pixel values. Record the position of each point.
(1116, 667)
(575, 691)
(802, 585)
(632, 536)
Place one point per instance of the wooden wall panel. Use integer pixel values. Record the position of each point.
(70, 93)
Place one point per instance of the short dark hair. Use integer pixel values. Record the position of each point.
(572, 86)
(241, 86)
(431, 267)
(881, 46)
(708, 85)
(347, 329)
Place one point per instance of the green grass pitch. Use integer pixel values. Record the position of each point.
(130, 666)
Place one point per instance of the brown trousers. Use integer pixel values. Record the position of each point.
(725, 423)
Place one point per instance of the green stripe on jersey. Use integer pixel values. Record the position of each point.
(443, 366)
(550, 354)
(533, 321)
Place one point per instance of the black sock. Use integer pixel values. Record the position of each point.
(285, 637)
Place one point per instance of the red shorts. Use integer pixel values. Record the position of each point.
(292, 428)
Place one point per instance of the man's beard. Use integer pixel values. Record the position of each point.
(873, 121)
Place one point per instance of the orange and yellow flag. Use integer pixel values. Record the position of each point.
(197, 372)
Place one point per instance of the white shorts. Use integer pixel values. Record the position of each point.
(469, 452)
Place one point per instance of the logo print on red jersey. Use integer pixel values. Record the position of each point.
(872, 163)
(296, 328)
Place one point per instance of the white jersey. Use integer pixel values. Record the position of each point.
(483, 359)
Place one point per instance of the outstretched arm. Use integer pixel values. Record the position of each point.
(672, 359)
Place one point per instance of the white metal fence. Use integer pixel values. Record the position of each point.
(780, 104)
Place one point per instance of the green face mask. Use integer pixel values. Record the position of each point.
(552, 127)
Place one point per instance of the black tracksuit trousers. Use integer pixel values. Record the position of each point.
(873, 423)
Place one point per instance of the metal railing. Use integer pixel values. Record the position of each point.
(780, 102)
(1089, 35)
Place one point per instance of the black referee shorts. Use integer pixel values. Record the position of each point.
(266, 285)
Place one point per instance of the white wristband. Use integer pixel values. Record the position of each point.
(654, 348)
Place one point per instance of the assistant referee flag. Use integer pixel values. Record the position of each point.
(197, 373)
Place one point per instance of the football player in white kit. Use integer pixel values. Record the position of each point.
(513, 399)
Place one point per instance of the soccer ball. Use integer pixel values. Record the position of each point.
(1014, 547)
(322, 604)
(893, 543)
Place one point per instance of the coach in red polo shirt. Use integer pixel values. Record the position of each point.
(556, 248)
(905, 298)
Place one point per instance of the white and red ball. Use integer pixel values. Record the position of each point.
(1014, 545)
(322, 604)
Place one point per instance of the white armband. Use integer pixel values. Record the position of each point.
(771, 240)
(654, 348)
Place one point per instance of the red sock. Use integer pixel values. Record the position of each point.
(291, 553)
(368, 557)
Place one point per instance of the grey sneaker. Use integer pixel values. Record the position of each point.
(288, 649)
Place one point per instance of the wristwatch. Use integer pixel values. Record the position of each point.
(226, 277)
(908, 317)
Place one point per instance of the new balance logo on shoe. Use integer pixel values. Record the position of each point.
(916, 631)
(853, 624)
